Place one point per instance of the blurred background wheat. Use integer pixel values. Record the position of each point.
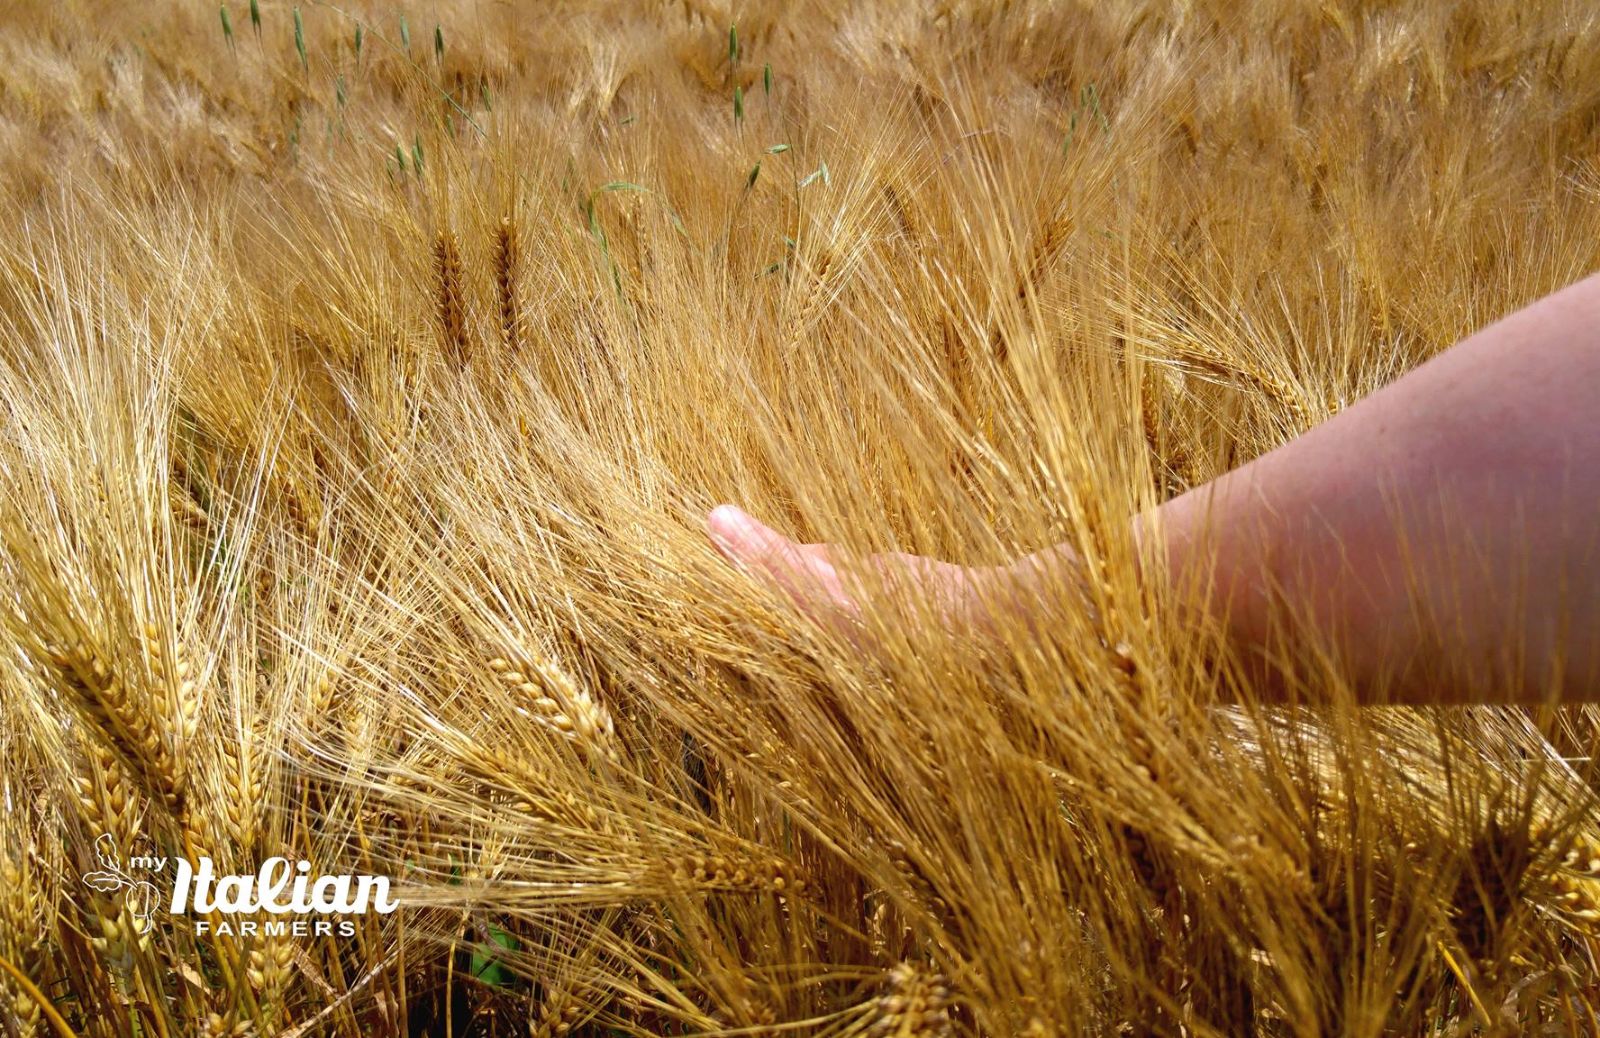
(366, 373)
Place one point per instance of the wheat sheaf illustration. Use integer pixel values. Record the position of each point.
(142, 897)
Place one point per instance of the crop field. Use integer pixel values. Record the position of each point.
(368, 372)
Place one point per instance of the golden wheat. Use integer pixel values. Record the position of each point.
(367, 371)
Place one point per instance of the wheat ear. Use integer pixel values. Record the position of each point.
(449, 296)
(507, 260)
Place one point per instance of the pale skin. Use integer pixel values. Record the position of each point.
(1444, 532)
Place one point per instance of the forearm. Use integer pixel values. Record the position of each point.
(1441, 537)
(1441, 533)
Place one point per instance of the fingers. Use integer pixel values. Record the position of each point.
(803, 571)
(808, 574)
(745, 541)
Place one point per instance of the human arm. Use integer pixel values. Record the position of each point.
(1444, 531)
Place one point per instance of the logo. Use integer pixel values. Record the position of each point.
(279, 888)
(142, 894)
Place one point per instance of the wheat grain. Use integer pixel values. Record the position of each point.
(23, 926)
(734, 873)
(559, 703)
(123, 719)
(449, 297)
(507, 262)
(916, 1005)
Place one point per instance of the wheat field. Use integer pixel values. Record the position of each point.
(367, 373)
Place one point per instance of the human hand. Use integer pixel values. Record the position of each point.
(814, 576)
